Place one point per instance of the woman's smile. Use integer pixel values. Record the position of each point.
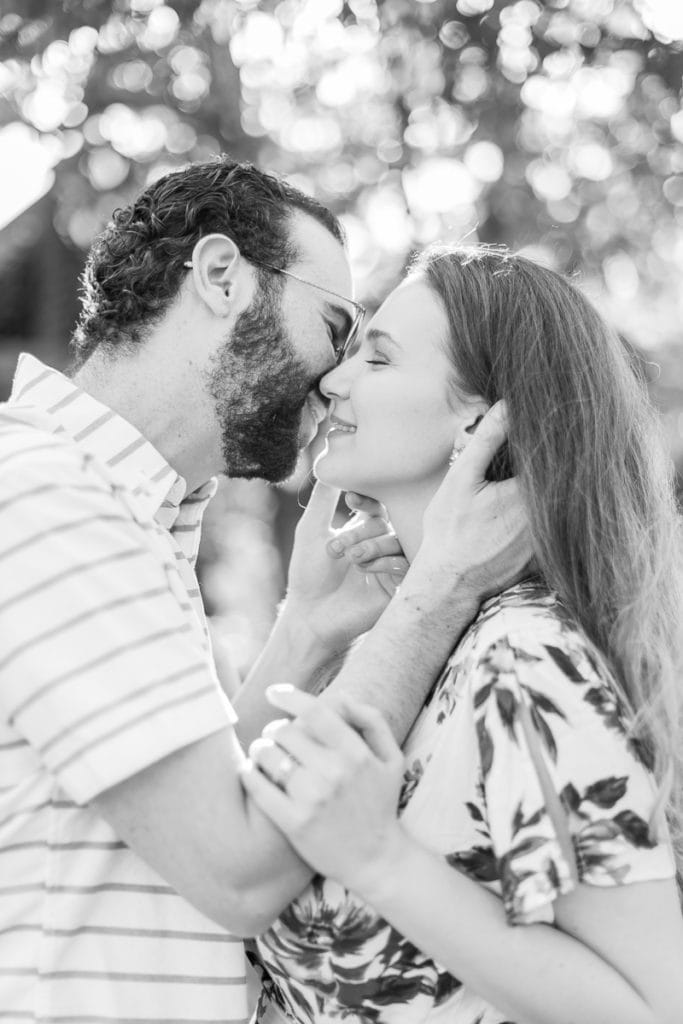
(340, 426)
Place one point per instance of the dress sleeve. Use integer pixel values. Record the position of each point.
(546, 719)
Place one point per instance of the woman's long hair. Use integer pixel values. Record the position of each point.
(586, 445)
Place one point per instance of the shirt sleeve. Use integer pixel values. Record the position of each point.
(103, 668)
(598, 831)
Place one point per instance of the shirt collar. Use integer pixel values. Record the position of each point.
(100, 431)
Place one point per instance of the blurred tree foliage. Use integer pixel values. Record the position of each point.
(556, 127)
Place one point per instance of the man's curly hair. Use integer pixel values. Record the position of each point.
(135, 266)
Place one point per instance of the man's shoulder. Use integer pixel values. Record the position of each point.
(28, 437)
(32, 454)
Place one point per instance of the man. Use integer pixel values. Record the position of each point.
(128, 852)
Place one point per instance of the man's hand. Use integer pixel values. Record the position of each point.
(476, 532)
(340, 581)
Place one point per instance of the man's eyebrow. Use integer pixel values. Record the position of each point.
(375, 335)
(341, 312)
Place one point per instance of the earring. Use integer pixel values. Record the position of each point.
(458, 449)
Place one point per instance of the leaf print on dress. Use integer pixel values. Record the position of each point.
(479, 805)
(411, 780)
(608, 705)
(606, 792)
(599, 842)
(478, 863)
(334, 952)
(506, 670)
(531, 865)
(565, 663)
(612, 710)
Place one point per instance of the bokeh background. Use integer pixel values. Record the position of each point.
(554, 127)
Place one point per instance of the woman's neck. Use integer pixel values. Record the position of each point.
(405, 509)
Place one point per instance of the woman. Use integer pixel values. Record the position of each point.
(538, 772)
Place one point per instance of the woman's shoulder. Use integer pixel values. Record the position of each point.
(555, 745)
(531, 621)
(525, 643)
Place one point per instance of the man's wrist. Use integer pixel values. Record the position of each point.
(434, 586)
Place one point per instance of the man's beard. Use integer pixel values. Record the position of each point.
(260, 386)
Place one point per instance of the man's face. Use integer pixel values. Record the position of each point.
(264, 377)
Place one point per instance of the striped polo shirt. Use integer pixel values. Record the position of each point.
(105, 668)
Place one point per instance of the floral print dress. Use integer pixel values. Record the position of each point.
(472, 793)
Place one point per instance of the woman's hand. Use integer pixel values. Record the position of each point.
(340, 581)
(330, 780)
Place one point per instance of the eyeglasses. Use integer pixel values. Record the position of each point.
(341, 347)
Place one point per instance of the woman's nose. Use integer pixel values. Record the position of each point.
(335, 384)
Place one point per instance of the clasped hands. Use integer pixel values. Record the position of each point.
(329, 778)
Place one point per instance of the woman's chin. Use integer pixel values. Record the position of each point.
(327, 472)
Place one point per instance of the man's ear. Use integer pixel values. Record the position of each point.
(218, 274)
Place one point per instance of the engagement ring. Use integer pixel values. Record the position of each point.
(284, 771)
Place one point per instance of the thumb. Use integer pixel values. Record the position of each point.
(490, 434)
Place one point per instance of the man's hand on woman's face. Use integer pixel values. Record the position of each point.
(476, 532)
(340, 581)
(476, 538)
(369, 542)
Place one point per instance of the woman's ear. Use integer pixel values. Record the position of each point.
(218, 273)
(471, 427)
(501, 464)
(470, 416)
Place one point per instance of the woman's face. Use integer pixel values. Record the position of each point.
(394, 417)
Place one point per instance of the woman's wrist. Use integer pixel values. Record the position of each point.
(379, 877)
(311, 644)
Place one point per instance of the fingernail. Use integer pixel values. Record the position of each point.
(259, 744)
(352, 498)
(276, 690)
(336, 546)
(273, 727)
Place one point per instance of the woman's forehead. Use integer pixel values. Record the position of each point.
(412, 308)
